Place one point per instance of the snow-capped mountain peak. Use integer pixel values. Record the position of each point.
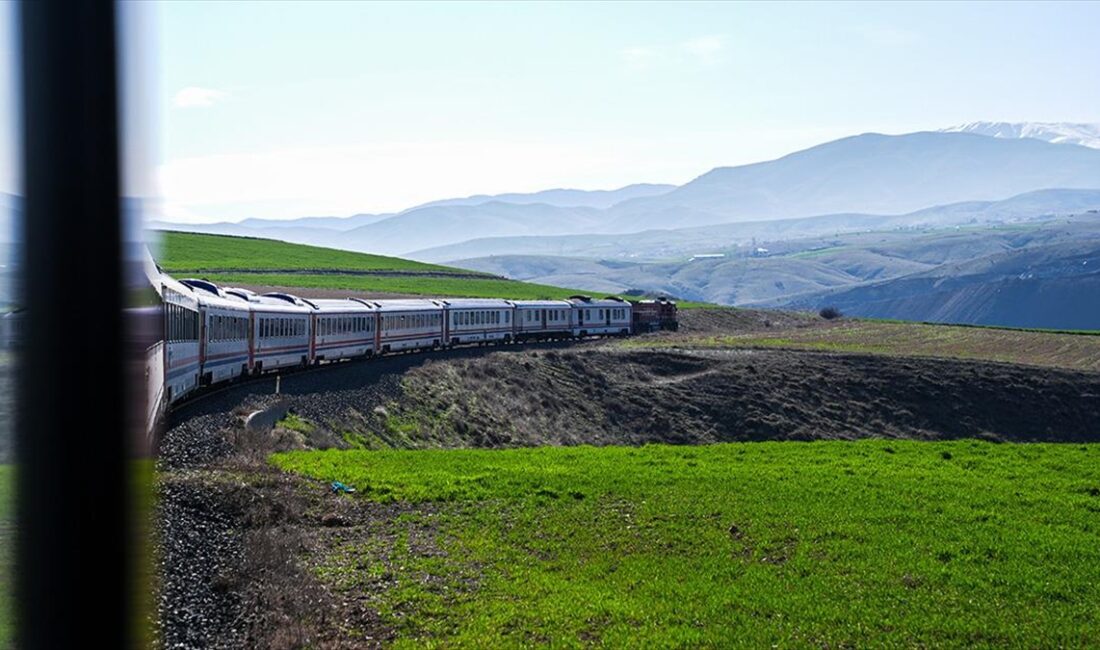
(1087, 135)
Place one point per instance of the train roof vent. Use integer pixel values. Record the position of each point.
(243, 294)
(580, 297)
(615, 298)
(202, 285)
(285, 297)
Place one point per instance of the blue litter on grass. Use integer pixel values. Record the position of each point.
(337, 486)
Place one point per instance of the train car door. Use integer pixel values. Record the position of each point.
(312, 333)
(202, 338)
(607, 315)
(251, 340)
(543, 318)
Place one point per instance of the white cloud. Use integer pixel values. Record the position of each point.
(705, 49)
(196, 97)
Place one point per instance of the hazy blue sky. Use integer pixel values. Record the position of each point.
(284, 109)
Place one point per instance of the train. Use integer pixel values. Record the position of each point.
(214, 334)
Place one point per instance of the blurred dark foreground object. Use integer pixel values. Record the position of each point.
(73, 561)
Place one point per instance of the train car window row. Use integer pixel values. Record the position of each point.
(182, 324)
(345, 325)
(479, 318)
(411, 321)
(282, 327)
(227, 328)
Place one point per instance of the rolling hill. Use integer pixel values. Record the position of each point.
(879, 267)
(1048, 286)
(264, 264)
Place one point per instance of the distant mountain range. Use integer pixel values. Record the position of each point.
(1087, 135)
(871, 173)
(564, 198)
(685, 242)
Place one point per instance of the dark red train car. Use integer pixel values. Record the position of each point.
(654, 315)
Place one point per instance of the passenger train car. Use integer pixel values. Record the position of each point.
(610, 316)
(343, 329)
(216, 334)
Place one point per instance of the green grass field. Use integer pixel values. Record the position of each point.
(7, 541)
(1075, 351)
(828, 544)
(181, 251)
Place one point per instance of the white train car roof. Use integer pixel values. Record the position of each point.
(211, 295)
(284, 303)
(342, 306)
(177, 292)
(409, 304)
(610, 301)
(542, 304)
(243, 294)
(476, 303)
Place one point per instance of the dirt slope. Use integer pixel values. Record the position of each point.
(611, 396)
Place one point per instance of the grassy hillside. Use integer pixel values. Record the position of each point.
(427, 285)
(831, 544)
(243, 261)
(181, 251)
(1069, 350)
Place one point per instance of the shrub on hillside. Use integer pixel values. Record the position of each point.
(829, 313)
